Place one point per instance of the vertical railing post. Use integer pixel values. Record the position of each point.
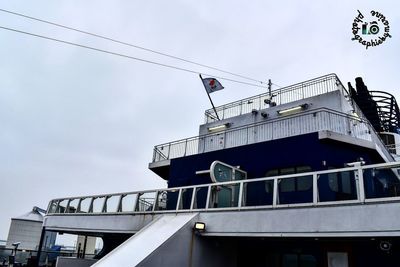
(78, 207)
(194, 192)
(208, 197)
(315, 189)
(361, 184)
(178, 202)
(240, 198)
(119, 208)
(104, 207)
(275, 194)
(186, 141)
(155, 204)
(169, 150)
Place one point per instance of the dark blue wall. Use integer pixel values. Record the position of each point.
(257, 159)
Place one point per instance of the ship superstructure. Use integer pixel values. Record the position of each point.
(301, 176)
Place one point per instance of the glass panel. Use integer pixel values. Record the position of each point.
(62, 206)
(224, 196)
(167, 200)
(200, 197)
(73, 206)
(52, 206)
(295, 190)
(308, 261)
(287, 185)
(85, 204)
(98, 204)
(186, 199)
(289, 260)
(146, 201)
(381, 182)
(112, 203)
(239, 175)
(258, 193)
(129, 202)
(223, 173)
(337, 186)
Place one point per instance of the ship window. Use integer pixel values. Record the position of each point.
(290, 184)
(286, 171)
(272, 173)
(298, 260)
(304, 183)
(340, 182)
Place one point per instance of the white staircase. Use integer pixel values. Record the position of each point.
(137, 248)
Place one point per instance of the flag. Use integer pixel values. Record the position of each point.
(212, 85)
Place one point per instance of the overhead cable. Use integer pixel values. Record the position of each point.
(127, 56)
(131, 45)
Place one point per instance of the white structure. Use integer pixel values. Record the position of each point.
(26, 229)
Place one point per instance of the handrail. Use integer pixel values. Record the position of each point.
(192, 145)
(239, 202)
(309, 88)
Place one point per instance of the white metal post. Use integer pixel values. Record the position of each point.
(178, 202)
(240, 198)
(208, 197)
(193, 197)
(275, 195)
(361, 184)
(315, 189)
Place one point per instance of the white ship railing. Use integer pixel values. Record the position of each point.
(352, 189)
(302, 123)
(298, 91)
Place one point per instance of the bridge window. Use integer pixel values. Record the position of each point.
(298, 260)
(340, 182)
(290, 184)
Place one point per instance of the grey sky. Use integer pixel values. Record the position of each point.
(76, 122)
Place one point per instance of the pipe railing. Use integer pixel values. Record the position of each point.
(236, 195)
(298, 91)
(301, 123)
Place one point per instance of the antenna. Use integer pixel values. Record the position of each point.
(270, 88)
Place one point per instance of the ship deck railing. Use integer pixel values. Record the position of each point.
(350, 185)
(317, 86)
(314, 120)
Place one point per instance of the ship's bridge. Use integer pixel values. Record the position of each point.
(321, 106)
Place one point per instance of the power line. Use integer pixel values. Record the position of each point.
(131, 45)
(127, 56)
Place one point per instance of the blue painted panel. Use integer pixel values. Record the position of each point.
(257, 159)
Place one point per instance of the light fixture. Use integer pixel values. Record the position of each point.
(199, 226)
(264, 115)
(219, 127)
(292, 109)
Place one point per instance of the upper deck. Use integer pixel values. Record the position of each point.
(319, 105)
(314, 87)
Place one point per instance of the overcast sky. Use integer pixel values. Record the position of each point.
(76, 122)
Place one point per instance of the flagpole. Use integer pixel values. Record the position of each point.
(209, 97)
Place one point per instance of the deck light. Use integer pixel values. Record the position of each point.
(199, 226)
(219, 127)
(293, 109)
